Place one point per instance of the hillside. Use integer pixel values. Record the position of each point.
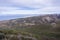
(46, 27)
(29, 21)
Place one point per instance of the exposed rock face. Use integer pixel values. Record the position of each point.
(54, 25)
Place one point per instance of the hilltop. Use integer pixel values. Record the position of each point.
(29, 21)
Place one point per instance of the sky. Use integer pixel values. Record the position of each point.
(11, 7)
(19, 7)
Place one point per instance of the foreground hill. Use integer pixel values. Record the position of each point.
(46, 27)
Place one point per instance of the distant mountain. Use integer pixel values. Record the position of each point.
(30, 21)
(8, 17)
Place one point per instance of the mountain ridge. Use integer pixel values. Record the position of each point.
(30, 21)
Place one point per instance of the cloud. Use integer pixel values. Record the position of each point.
(56, 3)
(19, 12)
(15, 10)
(11, 7)
(27, 3)
(31, 3)
(51, 9)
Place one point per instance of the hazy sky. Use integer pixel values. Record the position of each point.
(12, 7)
